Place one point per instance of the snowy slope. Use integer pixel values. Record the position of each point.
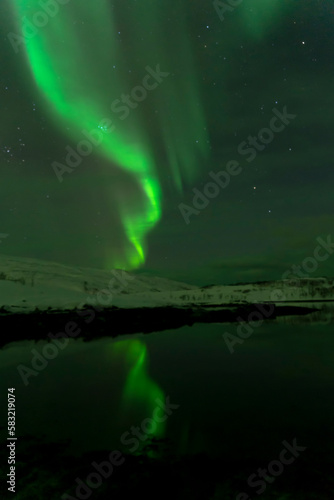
(27, 284)
(278, 292)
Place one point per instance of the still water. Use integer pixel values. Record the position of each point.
(277, 385)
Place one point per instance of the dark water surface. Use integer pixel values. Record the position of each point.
(276, 386)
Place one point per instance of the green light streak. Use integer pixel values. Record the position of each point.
(72, 59)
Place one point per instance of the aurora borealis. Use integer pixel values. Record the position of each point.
(78, 81)
(76, 87)
(118, 118)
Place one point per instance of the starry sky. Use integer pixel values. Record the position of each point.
(226, 73)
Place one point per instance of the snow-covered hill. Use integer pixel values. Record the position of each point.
(27, 284)
(37, 297)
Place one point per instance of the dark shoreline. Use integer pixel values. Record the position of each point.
(95, 323)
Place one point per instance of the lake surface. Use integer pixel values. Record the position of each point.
(276, 386)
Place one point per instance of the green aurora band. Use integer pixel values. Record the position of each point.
(78, 86)
(80, 66)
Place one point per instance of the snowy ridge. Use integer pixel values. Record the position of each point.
(27, 284)
(308, 291)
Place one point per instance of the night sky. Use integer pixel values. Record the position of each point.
(225, 75)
